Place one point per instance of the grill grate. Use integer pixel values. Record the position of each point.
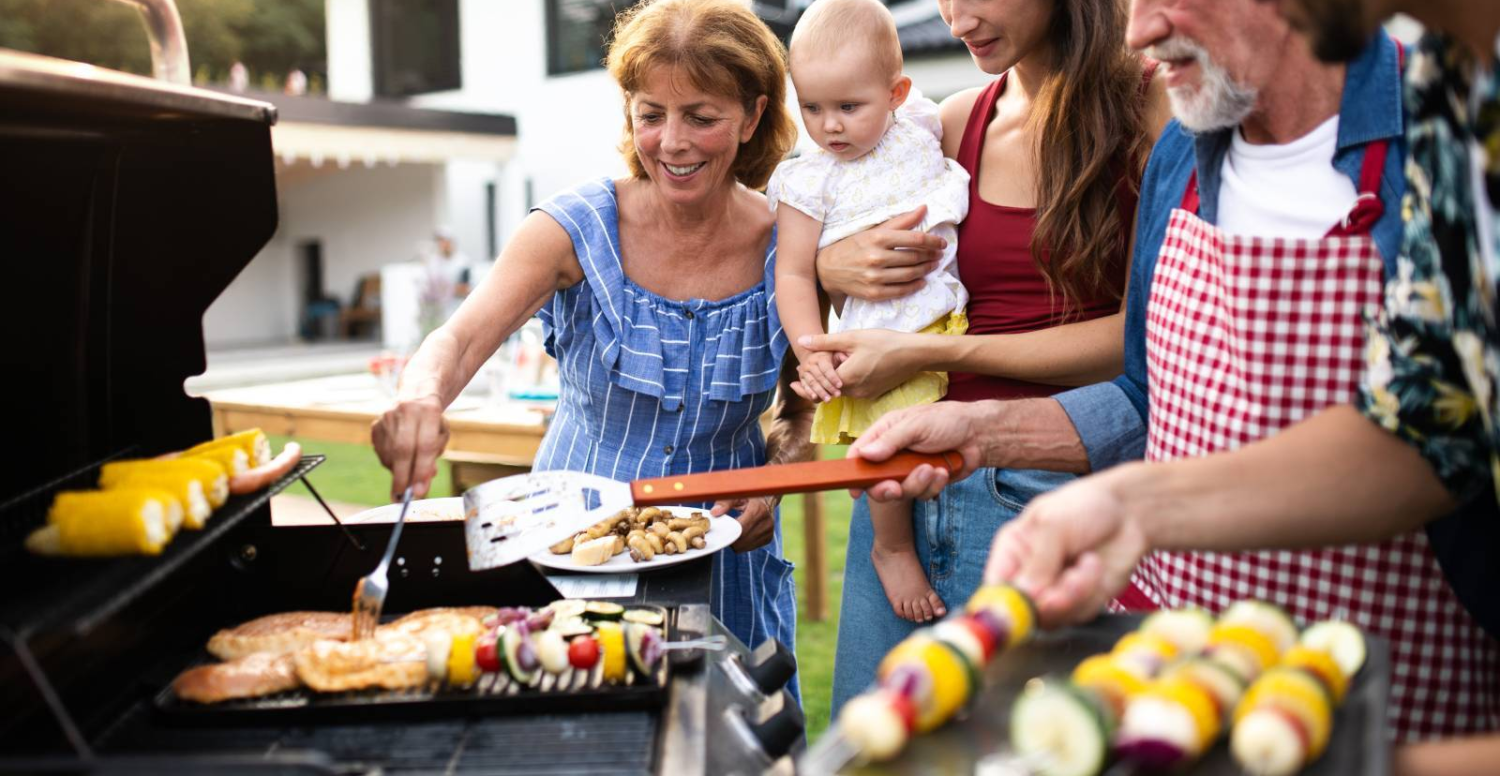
(28, 511)
(76, 595)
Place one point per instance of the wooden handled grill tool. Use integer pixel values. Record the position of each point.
(513, 518)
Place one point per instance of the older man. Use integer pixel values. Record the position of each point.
(1261, 241)
(1434, 361)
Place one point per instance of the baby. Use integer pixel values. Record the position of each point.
(879, 154)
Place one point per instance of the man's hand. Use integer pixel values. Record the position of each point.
(932, 428)
(1071, 550)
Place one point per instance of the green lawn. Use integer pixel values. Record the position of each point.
(353, 474)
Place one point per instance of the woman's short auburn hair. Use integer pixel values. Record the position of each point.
(722, 47)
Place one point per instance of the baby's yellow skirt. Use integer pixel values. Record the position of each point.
(840, 420)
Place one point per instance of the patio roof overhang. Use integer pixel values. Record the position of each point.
(317, 130)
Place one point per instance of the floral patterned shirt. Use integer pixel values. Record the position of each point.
(1433, 351)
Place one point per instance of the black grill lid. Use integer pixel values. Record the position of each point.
(128, 206)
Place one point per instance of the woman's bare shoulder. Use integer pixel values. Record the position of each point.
(954, 111)
(756, 210)
(541, 241)
(758, 219)
(959, 104)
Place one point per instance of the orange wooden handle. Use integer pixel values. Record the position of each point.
(786, 478)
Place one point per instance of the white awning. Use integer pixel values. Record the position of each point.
(344, 145)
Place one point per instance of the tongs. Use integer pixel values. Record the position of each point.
(369, 592)
(513, 518)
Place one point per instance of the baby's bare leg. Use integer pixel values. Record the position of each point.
(895, 557)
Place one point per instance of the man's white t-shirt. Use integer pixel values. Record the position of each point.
(1290, 190)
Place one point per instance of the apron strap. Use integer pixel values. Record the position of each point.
(1190, 195)
(1367, 208)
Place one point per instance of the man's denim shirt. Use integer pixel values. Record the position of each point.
(1111, 417)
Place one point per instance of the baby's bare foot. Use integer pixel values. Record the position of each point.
(911, 597)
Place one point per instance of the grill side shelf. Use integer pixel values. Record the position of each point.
(76, 595)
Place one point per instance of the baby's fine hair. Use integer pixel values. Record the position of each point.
(829, 25)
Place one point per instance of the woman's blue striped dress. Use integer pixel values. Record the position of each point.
(654, 386)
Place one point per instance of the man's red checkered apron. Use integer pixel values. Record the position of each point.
(1244, 337)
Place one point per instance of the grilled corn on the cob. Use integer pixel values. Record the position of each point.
(257, 448)
(181, 483)
(210, 474)
(233, 458)
(129, 521)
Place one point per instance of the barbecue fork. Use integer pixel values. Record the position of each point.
(369, 592)
(513, 518)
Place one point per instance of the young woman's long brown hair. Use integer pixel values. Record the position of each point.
(1089, 121)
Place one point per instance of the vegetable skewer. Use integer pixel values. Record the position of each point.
(927, 679)
(1285, 720)
(1065, 727)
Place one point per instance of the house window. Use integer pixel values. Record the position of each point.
(415, 46)
(578, 32)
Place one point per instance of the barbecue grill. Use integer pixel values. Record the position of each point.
(130, 204)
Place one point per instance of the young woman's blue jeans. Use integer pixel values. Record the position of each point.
(953, 534)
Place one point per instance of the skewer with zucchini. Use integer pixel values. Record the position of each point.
(1066, 727)
(1254, 672)
(1161, 697)
(571, 634)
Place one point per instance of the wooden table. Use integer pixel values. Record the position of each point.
(341, 409)
(485, 440)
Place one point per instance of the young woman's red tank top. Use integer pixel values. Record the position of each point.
(1007, 293)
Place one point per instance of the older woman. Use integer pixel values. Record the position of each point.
(1054, 147)
(655, 291)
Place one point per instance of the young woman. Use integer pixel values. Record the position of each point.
(1054, 147)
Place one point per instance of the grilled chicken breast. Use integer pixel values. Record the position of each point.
(392, 661)
(280, 633)
(451, 620)
(261, 673)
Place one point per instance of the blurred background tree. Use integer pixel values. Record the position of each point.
(270, 37)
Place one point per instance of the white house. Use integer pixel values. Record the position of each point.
(540, 61)
(463, 61)
(360, 186)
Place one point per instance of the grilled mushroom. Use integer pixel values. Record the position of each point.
(640, 549)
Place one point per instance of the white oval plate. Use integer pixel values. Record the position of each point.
(723, 531)
(422, 511)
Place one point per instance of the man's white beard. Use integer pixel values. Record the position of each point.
(1217, 102)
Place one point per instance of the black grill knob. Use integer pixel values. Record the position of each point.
(771, 666)
(782, 727)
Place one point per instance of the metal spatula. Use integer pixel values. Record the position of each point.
(513, 518)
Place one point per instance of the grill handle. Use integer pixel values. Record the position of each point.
(169, 53)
